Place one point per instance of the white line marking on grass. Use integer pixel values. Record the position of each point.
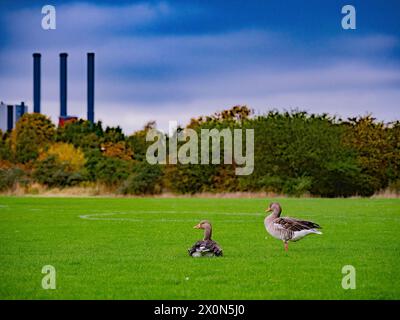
(106, 216)
(179, 212)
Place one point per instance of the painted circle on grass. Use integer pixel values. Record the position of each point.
(115, 216)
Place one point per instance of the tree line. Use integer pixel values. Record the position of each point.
(295, 153)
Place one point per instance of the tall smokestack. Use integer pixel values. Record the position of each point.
(36, 82)
(63, 84)
(90, 86)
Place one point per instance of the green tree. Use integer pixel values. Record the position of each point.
(32, 133)
(394, 153)
(82, 134)
(137, 141)
(144, 179)
(112, 171)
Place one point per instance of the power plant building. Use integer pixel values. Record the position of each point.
(10, 114)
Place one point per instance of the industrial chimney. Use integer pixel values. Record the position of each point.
(90, 86)
(63, 84)
(36, 82)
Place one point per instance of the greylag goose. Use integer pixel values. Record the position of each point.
(287, 229)
(205, 247)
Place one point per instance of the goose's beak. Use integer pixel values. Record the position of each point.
(197, 226)
(268, 210)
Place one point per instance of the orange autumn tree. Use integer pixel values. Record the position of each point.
(118, 150)
(66, 154)
(370, 140)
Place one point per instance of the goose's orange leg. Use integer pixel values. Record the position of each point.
(286, 246)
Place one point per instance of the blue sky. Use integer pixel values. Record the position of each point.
(172, 60)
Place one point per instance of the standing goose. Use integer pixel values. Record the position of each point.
(287, 229)
(205, 247)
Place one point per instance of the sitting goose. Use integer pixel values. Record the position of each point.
(287, 229)
(205, 247)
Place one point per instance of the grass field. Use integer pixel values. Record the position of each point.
(120, 248)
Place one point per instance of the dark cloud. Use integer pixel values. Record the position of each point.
(145, 71)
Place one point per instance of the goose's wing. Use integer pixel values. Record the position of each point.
(214, 247)
(293, 224)
(196, 247)
(206, 246)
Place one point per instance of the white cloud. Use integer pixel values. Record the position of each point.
(81, 24)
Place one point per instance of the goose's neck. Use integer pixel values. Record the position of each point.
(207, 233)
(275, 214)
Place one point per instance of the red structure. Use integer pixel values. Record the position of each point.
(66, 119)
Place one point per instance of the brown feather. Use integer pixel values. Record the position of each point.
(295, 224)
(206, 246)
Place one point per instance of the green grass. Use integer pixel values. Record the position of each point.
(138, 249)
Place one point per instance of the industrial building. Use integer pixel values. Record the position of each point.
(64, 117)
(10, 114)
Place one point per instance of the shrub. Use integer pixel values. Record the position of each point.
(297, 186)
(52, 173)
(9, 178)
(5, 147)
(394, 186)
(145, 179)
(190, 178)
(112, 171)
